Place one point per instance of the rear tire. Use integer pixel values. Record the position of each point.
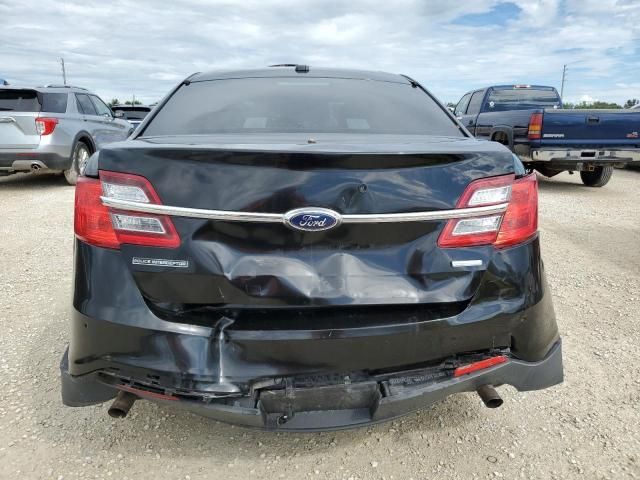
(79, 158)
(501, 138)
(598, 177)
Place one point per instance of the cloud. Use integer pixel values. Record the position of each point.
(172, 77)
(587, 99)
(124, 47)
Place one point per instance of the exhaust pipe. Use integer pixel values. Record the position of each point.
(122, 404)
(490, 396)
(35, 167)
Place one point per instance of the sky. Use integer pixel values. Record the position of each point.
(120, 48)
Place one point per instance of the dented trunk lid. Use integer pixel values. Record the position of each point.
(253, 265)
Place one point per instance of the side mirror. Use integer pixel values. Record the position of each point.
(118, 114)
(452, 109)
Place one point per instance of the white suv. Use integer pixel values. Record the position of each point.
(54, 128)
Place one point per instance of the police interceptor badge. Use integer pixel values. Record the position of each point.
(160, 262)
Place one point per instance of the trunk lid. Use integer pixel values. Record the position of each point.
(258, 265)
(18, 111)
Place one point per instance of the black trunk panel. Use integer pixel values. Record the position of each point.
(272, 265)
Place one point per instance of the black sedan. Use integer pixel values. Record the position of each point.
(296, 248)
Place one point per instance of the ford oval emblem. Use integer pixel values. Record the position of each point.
(312, 219)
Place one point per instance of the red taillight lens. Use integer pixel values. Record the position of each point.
(517, 224)
(535, 126)
(46, 125)
(521, 218)
(469, 232)
(104, 227)
(92, 220)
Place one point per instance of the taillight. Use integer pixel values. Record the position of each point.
(535, 126)
(520, 221)
(92, 220)
(102, 226)
(517, 224)
(46, 125)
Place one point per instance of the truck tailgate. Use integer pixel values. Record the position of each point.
(591, 128)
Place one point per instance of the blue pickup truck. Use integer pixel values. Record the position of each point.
(530, 120)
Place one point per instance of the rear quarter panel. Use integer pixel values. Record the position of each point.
(514, 123)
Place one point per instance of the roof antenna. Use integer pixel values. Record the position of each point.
(64, 72)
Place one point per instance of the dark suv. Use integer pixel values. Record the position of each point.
(297, 248)
(134, 114)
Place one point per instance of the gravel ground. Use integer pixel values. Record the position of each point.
(588, 427)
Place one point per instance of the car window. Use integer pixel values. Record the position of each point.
(85, 105)
(294, 104)
(19, 101)
(101, 107)
(461, 108)
(522, 98)
(475, 103)
(133, 113)
(54, 102)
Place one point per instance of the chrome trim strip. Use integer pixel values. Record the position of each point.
(426, 216)
(193, 212)
(228, 216)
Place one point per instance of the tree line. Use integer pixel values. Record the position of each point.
(583, 105)
(115, 101)
(598, 104)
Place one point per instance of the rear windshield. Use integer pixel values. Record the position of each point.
(32, 101)
(133, 113)
(521, 99)
(19, 101)
(291, 105)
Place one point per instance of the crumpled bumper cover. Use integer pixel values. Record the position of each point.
(333, 406)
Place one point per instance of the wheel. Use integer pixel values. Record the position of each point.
(599, 177)
(501, 138)
(79, 158)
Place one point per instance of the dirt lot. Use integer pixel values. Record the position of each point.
(589, 427)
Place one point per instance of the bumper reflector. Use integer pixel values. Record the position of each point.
(481, 365)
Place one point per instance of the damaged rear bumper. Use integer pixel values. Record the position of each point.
(339, 367)
(343, 404)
